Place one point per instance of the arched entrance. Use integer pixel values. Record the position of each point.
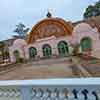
(17, 55)
(63, 48)
(32, 52)
(47, 51)
(86, 44)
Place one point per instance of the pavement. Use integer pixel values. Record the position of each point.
(84, 72)
(66, 67)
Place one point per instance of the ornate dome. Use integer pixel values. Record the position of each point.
(48, 27)
(19, 42)
(82, 27)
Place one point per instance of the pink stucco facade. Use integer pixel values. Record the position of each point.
(80, 31)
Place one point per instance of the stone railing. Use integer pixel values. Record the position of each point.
(51, 89)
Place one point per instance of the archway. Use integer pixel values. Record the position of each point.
(63, 48)
(17, 55)
(47, 50)
(32, 52)
(86, 44)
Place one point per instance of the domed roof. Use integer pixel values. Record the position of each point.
(19, 42)
(82, 27)
(48, 27)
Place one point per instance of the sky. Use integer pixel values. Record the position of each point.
(30, 12)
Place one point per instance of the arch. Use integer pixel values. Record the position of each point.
(63, 48)
(86, 44)
(50, 27)
(47, 50)
(32, 52)
(16, 55)
(20, 42)
(82, 27)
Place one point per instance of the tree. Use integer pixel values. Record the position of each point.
(89, 11)
(92, 10)
(2, 45)
(21, 30)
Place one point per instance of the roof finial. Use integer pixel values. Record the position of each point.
(49, 15)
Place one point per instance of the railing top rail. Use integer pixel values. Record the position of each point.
(68, 81)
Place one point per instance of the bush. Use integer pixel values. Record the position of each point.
(21, 60)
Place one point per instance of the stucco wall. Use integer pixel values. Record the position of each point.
(84, 30)
(80, 31)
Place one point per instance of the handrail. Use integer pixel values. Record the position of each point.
(51, 89)
(63, 81)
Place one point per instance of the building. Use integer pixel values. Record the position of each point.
(54, 36)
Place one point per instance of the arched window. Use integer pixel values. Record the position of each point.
(32, 52)
(63, 48)
(17, 55)
(86, 44)
(47, 51)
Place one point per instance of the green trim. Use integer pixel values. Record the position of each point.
(63, 48)
(86, 44)
(47, 50)
(32, 52)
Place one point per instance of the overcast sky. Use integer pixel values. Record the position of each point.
(30, 12)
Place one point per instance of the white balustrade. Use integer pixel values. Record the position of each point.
(51, 89)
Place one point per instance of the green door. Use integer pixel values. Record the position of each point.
(86, 44)
(17, 55)
(47, 51)
(63, 48)
(32, 52)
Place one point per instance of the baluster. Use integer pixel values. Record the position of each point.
(98, 93)
(57, 93)
(70, 95)
(85, 92)
(49, 92)
(34, 92)
(75, 92)
(53, 94)
(1, 93)
(45, 95)
(95, 94)
(66, 93)
(41, 92)
(80, 96)
(62, 94)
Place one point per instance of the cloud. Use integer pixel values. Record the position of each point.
(31, 11)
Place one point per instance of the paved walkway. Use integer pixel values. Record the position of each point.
(83, 72)
(48, 68)
(51, 68)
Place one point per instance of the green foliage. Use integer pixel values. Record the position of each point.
(2, 44)
(92, 10)
(21, 60)
(21, 30)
